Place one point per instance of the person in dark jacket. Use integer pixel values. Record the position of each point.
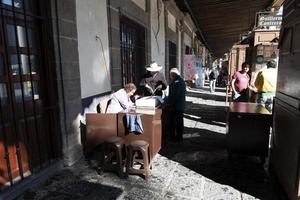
(154, 82)
(176, 105)
(213, 75)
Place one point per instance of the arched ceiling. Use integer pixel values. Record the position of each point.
(221, 22)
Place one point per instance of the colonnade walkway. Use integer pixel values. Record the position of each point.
(196, 168)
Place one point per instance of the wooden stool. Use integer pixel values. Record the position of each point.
(112, 155)
(138, 146)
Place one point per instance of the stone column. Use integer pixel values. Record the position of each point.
(66, 63)
(241, 56)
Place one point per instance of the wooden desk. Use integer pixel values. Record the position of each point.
(101, 126)
(248, 129)
(98, 128)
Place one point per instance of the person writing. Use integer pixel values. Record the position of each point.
(240, 84)
(154, 82)
(265, 84)
(176, 105)
(120, 100)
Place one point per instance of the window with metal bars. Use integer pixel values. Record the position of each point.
(25, 131)
(172, 54)
(133, 54)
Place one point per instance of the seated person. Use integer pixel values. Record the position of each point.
(153, 82)
(120, 100)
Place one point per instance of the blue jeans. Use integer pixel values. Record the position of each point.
(266, 100)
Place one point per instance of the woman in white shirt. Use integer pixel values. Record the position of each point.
(120, 100)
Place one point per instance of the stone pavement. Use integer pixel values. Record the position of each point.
(196, 168)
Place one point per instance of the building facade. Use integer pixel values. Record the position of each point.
(58, 58)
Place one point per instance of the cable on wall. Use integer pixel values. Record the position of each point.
(159, 10)
(98, 38)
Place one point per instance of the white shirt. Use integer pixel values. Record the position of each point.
(119, 102)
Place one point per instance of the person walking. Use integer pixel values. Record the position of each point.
(240, 84)
(213, 75)
(265, 84)
(176, 105)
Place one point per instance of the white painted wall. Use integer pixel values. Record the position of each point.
(187, 25)
(158, 43)
(171, 22)
(187, 40)
(140, 3)
(179, 51)
(94, 62)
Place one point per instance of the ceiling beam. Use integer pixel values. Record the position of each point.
(197, 25)
(223, 21)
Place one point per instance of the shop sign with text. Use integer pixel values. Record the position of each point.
(268, 19)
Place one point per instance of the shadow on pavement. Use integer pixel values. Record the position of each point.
(203, 150)
(206, 96)
(68, 186)
(206, 121)
(209, 114)
(219, 89)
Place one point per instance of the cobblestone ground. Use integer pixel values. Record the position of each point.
(196, 168)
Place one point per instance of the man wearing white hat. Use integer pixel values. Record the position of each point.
(153, 82)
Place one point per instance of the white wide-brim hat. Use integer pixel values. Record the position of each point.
(153, 67)
(175, 71)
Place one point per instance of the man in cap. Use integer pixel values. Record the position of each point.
(265, 84)
(154, 82)
(176, 105)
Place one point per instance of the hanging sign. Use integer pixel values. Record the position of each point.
(189, 63)
(268, 19)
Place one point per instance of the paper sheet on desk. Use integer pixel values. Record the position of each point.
(145, 111)
(150, 102)
(140, 110)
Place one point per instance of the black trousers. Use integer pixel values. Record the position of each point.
(176, 125)
(244, 96)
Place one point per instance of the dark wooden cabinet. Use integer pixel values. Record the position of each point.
(248, 129)
(285, 152)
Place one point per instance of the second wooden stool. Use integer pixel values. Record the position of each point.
(138, 147)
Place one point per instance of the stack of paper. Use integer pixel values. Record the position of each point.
(145, 111)
(147, 102)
